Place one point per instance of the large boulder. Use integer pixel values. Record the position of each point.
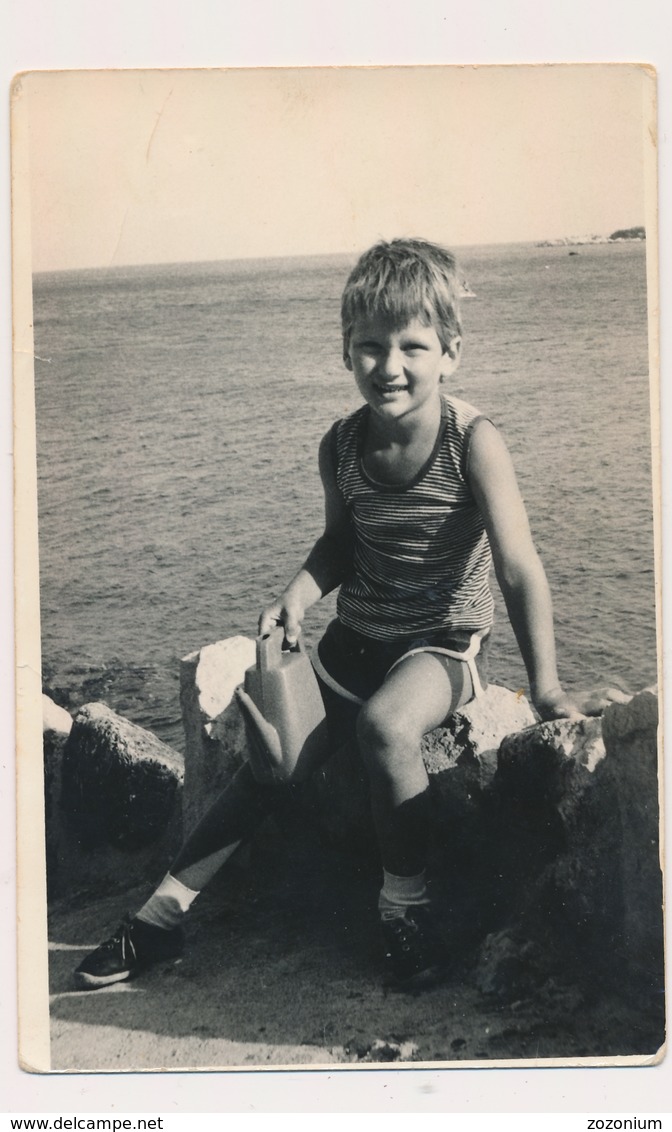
(548, 811)
(576, 805)
(119, 802)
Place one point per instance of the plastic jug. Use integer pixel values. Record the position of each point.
(283, 711)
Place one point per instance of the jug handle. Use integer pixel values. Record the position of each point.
(270, 650)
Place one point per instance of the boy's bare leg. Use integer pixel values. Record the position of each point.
(416, 697)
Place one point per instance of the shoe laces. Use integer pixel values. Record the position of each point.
(123, 940)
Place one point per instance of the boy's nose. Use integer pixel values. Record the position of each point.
(391, 363)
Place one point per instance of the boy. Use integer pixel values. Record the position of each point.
(420, 499)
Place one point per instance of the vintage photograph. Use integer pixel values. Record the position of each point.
(338, 450)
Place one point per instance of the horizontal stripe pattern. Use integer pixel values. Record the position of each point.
(421, 556)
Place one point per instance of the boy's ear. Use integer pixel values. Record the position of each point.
(347, 360)
(451, 356)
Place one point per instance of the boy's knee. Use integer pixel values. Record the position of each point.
(380, 732)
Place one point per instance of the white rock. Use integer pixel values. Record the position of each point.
(474, 733)
(493, 716)
(213, 727)
(221, 668)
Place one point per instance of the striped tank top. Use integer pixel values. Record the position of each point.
(421, 558)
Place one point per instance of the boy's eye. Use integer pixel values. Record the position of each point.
(376, 348)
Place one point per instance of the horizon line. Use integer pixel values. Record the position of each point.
(548, 241)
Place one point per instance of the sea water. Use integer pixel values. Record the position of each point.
(179, 412)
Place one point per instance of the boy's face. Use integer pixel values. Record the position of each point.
(398, 370)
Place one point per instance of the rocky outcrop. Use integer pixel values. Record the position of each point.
(546, 835)
(578, 241)
(638, 233)
(119, 804)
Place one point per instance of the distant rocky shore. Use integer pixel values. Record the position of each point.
(620, 236)
(551, 829)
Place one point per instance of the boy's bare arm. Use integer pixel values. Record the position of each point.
(520, 572)
(325, 566)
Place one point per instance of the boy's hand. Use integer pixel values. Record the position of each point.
(283, 612)
(595, 700)
(556, 704)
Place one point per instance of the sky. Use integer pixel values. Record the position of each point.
(155, 166)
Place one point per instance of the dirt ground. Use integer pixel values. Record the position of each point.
(283, 967)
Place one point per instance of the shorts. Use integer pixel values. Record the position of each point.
(354, 667)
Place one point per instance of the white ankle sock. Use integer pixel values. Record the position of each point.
(398, 893)
(168, 904)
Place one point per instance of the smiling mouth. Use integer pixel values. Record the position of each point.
(390, 388)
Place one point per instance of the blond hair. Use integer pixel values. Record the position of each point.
(403, 280)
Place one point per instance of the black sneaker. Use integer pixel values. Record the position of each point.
(133, 946)
(414, 951)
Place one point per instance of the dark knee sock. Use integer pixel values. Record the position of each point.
(403, 835)
(233, 817)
